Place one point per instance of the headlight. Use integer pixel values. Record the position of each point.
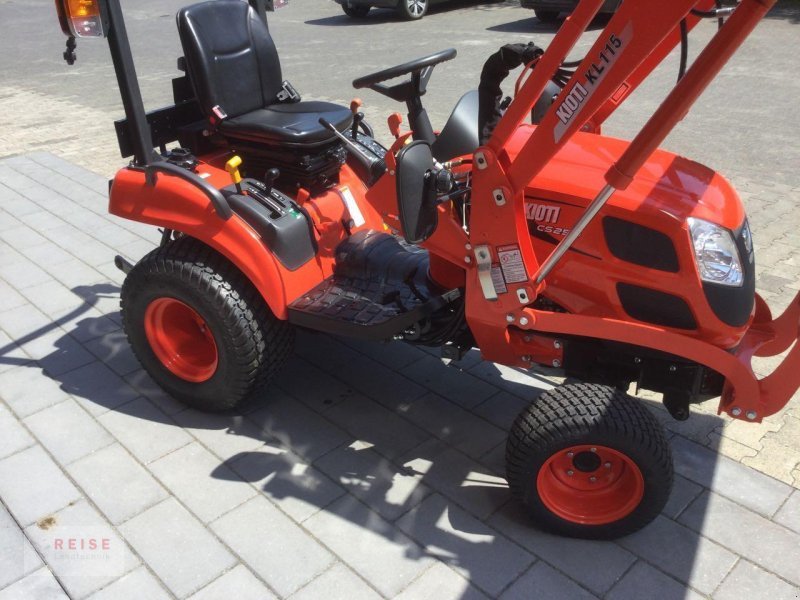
(716, 254)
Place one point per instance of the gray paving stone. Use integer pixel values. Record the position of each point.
(144, 384)
(176, 546)
(27, 391)
(52, 298)
(238, 583)
(296, 426)
(97, 388)
(58, 353)
(11, 355)
(67, 431)
(366, 420)
(144, 430)
(22, 273)
(394, 355)
(447, 421)
(88, 324)
(295, 487)
(113, 350)
(17, 556)
(75, 273)
(197, 478)
(227, 436)
(337, 583)
(312, 386)
(595, 565)
(40, 585)
(458, 386)
(385, 488)
(642, 581)
(692, 559)
(22, 237)
(770, 546)
(23, 323)
(789, 514)
(104, 475)
(734, 480)
(489, 560)
(502, 409)
(11, 297)
(372, 547)
(136, 585)
(749, 581)
(81, 572)
(442, 583)
(369, 377)
(48, 256)
(526, 385)
(274, 547)
(458, 477)
(32, 486)
(543, 582)
(13, 436)
(683, 493)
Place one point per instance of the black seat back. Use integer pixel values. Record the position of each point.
(231, 59)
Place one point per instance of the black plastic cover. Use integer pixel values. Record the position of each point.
(416, 195)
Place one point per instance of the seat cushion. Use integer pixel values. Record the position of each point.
(295, 124)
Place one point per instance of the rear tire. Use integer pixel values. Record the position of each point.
(200, 328)
(413, 9)
(356, 12)
(546, 16)
(589, 461)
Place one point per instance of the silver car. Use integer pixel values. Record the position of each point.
(548, 11)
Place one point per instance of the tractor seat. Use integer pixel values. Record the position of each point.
(235, 71)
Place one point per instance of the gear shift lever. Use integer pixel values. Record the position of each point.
(358, 117)
(269, 179)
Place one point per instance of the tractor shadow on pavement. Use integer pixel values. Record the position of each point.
(366, 439)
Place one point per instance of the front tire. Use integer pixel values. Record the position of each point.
(199, 327)
(413, 9)
(356, 12)
(589, 461)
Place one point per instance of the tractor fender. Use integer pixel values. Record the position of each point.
(176, 204)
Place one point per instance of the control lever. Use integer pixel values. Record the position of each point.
(375, 167)
(270, 177)
(394, 121)
(358, 116)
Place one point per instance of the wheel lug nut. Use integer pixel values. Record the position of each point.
(570, 454)
(592, 478)
(607, 465)
(592, 449)
(570, 473)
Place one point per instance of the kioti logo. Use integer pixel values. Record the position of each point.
(542, 213)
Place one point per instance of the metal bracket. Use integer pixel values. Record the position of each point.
(483, 258)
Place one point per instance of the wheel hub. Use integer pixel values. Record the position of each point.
(590, 485)
(181, 340)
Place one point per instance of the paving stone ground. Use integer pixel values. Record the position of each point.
(366, 470)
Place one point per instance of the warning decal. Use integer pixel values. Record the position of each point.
(511, 264)
(498, 281)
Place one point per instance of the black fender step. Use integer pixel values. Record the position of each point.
(380, 288)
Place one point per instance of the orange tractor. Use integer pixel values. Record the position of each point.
(539, 241)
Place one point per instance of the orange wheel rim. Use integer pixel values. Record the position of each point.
(590, 485)
(181, 340)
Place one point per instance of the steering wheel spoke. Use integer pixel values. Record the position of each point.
(419, 69)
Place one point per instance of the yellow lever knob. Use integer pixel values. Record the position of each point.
(232, 167)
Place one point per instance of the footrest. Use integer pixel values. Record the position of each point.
(378, 290)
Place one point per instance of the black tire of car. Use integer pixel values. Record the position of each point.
(546, 16)
(413, 9)
(252, 344)
(356, 12)
(577, 414)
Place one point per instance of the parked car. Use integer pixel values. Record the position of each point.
(409, 9)
(548, 11)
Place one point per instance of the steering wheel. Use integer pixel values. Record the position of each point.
(420, 70)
